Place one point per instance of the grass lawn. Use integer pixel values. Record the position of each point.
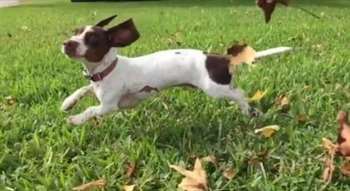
(40, 151)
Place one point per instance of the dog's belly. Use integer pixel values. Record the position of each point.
(130, 100)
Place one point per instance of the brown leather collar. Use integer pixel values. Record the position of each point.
(101, 75)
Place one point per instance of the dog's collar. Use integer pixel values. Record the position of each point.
(101, 75)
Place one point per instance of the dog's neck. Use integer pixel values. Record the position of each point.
(96, 67)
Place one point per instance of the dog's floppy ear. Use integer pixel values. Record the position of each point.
(106, 21)
(123, 34)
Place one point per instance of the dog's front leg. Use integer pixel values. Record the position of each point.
(71, 100)
(91, 112)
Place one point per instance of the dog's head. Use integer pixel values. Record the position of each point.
(92, 43)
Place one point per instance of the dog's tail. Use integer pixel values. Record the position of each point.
(272, 51)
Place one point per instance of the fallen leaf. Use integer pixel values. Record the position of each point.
(24, 28)
(329, 146)
(130, 169)
(210, 158)
(195, 180)
(258, 96)
(345, 169)
(344, 134)
(302, 118)
(268, 7)
(240, 53)
(268, 131)
(96, 122)
(100, 184)
(328, 171)
(229, 173)
(331, 149)
(283, 102)
(129, 187)
(10, 100)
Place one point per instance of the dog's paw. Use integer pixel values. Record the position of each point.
(74, 120)
(68, 104)
(253, 112)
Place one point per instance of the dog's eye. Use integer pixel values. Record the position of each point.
(93, 40)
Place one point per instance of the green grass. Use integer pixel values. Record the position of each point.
(40, 151)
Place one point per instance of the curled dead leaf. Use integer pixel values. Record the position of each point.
(329, 146)
(130, 169)
(211, 159)
(195, 180)
(229, 173)
(258, 96)
(328, 171)
(268, 7)
(283, 102)
(240, 53)
(100, 184)
(268, 131)
(129, 187)
(345, 168)
(10, 100)
(302, 118)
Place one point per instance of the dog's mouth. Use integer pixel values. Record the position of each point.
(70, 49)
(73, 55)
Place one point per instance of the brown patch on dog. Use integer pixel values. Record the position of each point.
(97, 43)
(148, 89)
(236, 49)
(123, 34)
(218, 68)
(127, 100)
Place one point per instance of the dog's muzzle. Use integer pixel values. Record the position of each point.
(70, 48)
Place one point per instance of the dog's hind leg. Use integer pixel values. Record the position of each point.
(234, 94)
(71, 100)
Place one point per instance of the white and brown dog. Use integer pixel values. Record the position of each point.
(121, 82)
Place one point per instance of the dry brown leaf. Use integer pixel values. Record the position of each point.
(268, 131)
(229, 173)
(302, 118)
(344, 134)
(345, 168)
(94, 184)
(210, 158)
(268, 7)
(10, 100)
(258, 96)
(195, 180)
(129, 187)
(328, 171)
(130, 169)
(329, 161)
(240, 53)
(283, 102)
(329, 146)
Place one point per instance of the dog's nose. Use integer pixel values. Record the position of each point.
(70, 47)
(70, 44)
